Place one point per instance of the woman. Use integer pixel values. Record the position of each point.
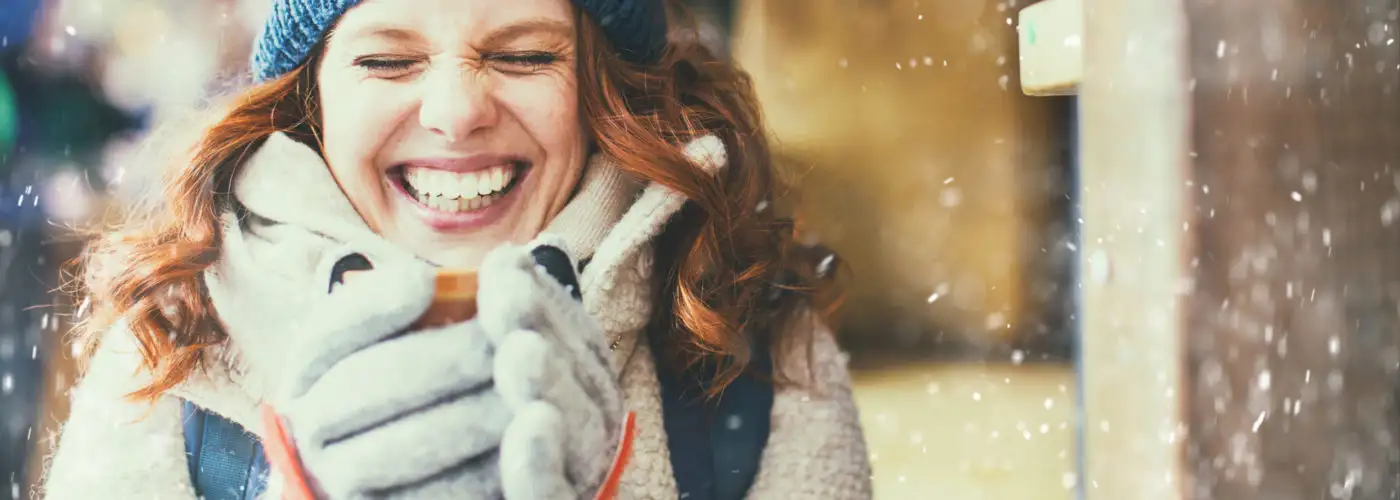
(391, 137)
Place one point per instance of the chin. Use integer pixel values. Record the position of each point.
(459, 258)
(459, 248)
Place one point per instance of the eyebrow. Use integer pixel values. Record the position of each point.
(497, 36)
(528, 27)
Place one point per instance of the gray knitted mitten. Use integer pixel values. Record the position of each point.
(379, 412)
(569, 408)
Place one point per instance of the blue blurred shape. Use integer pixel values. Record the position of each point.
(17, 20)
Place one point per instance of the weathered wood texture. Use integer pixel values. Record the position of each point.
(1296, 217)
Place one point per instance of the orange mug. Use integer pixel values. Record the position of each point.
(454, 299)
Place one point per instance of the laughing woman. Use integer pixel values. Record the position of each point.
(395, 137)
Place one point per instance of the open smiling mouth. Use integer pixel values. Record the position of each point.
(457, 192)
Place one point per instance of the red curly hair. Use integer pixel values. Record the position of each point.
(728, 270)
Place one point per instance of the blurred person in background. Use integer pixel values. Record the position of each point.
(53, 121)
(389, 138)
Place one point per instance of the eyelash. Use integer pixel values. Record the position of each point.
(528, 61)
(373, 64)
(532, 60)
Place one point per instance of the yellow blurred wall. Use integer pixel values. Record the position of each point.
(970, 431)
(905, 121)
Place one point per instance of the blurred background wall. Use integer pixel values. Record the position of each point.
(921, 161)
(946, 191)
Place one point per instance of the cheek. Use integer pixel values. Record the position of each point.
(354, 127)
(548, 111)
(550, 114)
(351, 123)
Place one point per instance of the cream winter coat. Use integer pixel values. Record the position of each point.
(112, 448)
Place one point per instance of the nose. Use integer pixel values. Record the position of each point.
(455, 105)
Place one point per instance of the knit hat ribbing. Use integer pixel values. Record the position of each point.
(637, 28)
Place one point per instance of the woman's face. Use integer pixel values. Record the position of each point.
(452, 125)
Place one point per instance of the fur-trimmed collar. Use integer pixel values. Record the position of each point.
(611, 221)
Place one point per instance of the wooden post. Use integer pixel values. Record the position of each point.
(1134, 153)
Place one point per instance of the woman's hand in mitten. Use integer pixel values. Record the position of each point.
(561, 441)
(379, 411)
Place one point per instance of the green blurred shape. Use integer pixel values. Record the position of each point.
(9, 116)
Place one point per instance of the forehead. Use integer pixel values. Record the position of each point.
(457, 18)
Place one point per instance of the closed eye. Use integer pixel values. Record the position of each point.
(523, 61)
(381, 64)
(385, 67)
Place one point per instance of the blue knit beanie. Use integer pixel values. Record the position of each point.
(637, 28)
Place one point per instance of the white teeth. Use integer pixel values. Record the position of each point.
(445, 204)
(464, 204)
(453, 191)
(467, 184)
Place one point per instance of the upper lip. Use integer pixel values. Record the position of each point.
(465, 163)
